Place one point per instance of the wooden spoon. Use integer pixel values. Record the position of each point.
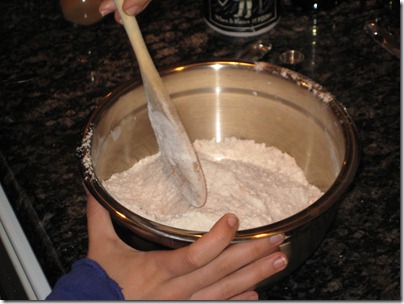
(178, 155)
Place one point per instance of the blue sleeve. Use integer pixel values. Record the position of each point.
(86, 281)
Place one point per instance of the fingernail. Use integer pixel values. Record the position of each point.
(119, 20)
(105, 12)
(277, 239)
(106, 8)
(232, 220)
(280, 263)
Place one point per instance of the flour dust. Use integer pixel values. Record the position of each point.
(259, 184)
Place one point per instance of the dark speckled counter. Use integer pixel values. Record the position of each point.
(52, 74)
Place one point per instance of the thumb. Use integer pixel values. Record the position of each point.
(99, 222)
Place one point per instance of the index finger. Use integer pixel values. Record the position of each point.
(187, 259)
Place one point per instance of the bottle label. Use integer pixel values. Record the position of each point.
(241, 17)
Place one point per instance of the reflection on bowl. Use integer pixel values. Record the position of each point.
(220, 99)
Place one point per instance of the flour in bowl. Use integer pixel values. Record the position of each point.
(259, 184)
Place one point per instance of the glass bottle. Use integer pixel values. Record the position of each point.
(83, 12)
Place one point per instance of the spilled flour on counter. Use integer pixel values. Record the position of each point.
(259, 184)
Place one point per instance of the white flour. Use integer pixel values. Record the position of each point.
(259, 184)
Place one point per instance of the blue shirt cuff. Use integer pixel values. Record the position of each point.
(87, 280)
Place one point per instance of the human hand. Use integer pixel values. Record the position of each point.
(209, 268)
(130, 7)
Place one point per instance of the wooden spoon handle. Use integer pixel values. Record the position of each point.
(180, 160)
(150, 75)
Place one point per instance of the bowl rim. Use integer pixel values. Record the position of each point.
(330, 198)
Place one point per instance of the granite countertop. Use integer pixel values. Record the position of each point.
(53, 73)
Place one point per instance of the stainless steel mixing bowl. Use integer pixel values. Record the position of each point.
(267, 103)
